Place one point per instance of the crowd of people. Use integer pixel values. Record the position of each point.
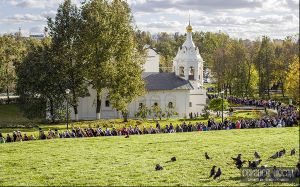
(285, 118)
(271, 104)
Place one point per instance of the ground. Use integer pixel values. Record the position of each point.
(120, 161)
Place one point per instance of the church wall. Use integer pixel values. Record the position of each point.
(197, 100)
(179, 98)
(152, 61)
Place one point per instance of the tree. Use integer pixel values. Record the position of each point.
(264, 62)
(66, 49)
(98, 44)
(216, 104)
(12, 51)
(38, 83)
(292, 79)
(109, 44)
(127, 79)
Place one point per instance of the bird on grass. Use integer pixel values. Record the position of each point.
(218, 174)
(206, 156)
(281, 153)
(256, 155)
(237, 158)
(158, 167)
(276, 155)
(297, 171)
(212, 171)
(173, 159)
(254, 164)
(293, 152)
(127, 136)
(239, 163)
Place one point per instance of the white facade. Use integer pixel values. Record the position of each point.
(152, 61)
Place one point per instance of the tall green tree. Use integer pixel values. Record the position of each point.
(38, 83)
(264, 65)
(67, 51)
(110, 47)
(99, 44)
(12, 50)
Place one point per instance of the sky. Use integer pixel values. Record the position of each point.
(247, 19)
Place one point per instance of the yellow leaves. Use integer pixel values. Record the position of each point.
(292, 79)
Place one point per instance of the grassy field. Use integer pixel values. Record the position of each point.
(120, 161)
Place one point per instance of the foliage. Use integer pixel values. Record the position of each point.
(205, 112)
(156, 112)
(66, 51)
(143, 112)
(292, 79)
(12, 51)
(216, 104)
(44, 95)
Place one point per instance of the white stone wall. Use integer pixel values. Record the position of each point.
(179, 98)
(152, 61)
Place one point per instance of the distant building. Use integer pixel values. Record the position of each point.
(37, 36)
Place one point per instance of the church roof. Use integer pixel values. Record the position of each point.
(165, 81)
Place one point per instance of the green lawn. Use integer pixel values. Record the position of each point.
(120, 161)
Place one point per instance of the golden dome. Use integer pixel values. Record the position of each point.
(189, 28)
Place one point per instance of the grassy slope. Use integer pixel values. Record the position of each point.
(11, 113)
(120, 161)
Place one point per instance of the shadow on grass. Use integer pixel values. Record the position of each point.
(168, 142)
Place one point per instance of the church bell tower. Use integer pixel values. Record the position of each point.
(188, 63)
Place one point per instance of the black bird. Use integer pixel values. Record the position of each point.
(237, 158)
(256, 155)
(218, 174)
(206, 156)
(239, 163)
(173, 159)
(297, 171)
(254, 164)
(281, 153)
(212, 171)
(293, 152)
(158, 167)
(276, 155)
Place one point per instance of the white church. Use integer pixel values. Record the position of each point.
(182, 90)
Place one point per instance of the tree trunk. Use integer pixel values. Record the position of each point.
(52, 111)
(7, 94)
(125, 116)
(76, 112)
(98, 107)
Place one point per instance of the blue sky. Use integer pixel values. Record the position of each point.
(239, 18)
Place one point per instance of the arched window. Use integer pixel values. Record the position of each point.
(192, 73)
(107, 104)
(181, 71)
(170, 105)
